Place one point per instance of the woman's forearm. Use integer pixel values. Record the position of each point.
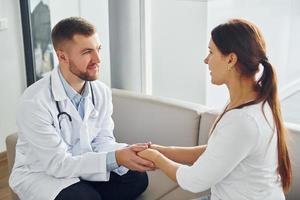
(167, 166)
(184, 155)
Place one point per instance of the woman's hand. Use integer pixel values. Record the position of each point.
(156, 147)
(150, 154)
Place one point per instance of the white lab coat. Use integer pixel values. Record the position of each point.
(49, 159)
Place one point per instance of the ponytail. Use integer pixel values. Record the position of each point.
(267, 87)
(266, 84)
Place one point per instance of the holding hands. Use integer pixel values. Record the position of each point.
(147, 157)
(128, 158)
(184, 155)
(152, 153)
(161, 156)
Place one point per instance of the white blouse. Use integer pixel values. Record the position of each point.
(240, 162)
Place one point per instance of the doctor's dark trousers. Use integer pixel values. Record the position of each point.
(126, 187)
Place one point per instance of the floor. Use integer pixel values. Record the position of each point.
(4, 189)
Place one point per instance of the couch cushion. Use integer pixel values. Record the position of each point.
(159, 184)
(180, 194)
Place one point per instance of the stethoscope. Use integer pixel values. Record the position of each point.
(62, 113)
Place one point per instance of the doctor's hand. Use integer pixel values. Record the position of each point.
(128, 158)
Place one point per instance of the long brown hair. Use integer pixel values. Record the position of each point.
(245, 40)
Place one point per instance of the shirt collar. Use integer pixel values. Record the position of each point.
(71, 93)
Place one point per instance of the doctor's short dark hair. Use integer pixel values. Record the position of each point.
(65, 30)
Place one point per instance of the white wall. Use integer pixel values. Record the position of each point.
(12, 68)
(179, 32)
(279, 20)
(179, 38)
(125, 44)
(177, 51)
(96, 11)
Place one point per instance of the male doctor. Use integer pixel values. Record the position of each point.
(66, 149)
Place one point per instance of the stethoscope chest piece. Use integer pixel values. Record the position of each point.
(94, 114)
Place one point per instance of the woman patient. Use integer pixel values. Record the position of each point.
(246, 156)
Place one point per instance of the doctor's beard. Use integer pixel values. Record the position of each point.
(86, 76)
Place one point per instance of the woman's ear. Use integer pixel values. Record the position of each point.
(231, 60)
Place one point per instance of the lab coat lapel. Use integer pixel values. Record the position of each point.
(57, 88)
(60, 95)
(90, 109)
(86, 131)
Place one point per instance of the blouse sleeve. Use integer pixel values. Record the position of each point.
(232, 141)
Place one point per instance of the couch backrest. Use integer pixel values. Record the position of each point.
(206, 122)
(141, 118)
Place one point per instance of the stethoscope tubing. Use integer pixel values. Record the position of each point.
(61, 113)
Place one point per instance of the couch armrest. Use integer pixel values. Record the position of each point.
(11, 141)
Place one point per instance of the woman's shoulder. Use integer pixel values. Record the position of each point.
(251, 111)
(254, 111)
(239, 125)
(243, 118)
(257, 115)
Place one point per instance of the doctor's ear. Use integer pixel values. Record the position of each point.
(62, 57)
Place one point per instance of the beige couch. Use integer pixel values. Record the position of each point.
(140, 118)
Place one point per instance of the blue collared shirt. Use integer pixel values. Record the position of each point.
(78, 100)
